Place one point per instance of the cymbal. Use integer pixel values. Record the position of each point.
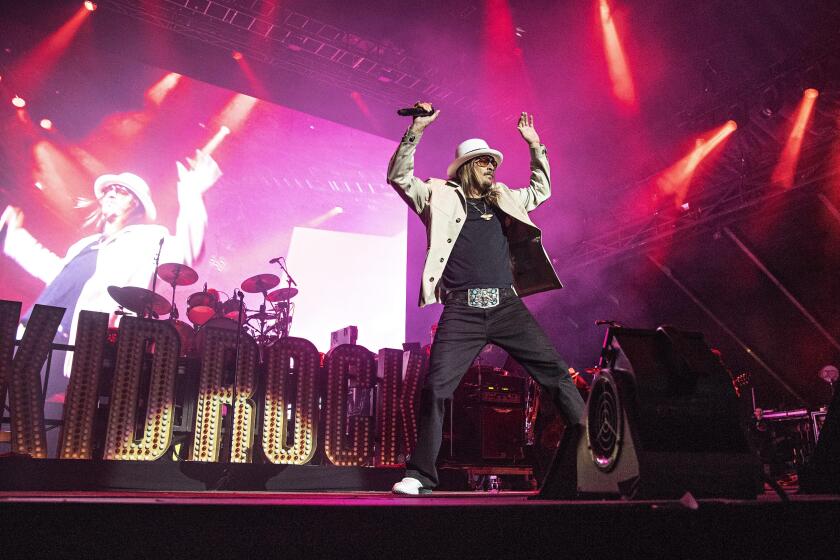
(260, 283)
(282, 294)
(262, 316)
(176, 274)
(140, 300)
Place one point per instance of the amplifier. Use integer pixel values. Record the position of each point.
(486, 422)
(347, 335)
(484, 384)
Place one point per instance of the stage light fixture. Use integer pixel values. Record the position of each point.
(90, 6)
(18, 102)
(236, 55)
(737, 113)
(811, 93)
(771, 101)
(46, 124)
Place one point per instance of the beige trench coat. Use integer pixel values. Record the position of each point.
(442, 206)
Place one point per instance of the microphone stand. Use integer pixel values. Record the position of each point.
(289, 278)
(229, 422)
(149, 306)
(289, 282)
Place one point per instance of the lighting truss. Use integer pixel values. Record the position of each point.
(739, 180)
(265, 31)
(721, 204)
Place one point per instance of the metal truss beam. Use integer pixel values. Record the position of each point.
(284, 38)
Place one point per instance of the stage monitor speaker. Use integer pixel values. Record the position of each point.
(661, 419)
(821, 474)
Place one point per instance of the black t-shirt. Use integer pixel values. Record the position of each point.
(66, 287)
(481, 256)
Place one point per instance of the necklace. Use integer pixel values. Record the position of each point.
(485, 215)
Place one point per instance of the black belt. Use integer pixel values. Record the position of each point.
(482, 298)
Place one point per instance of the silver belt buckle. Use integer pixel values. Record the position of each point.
(483, 297)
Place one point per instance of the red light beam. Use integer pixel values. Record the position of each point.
(783, 174)
(622, 80)
(40, 61)
(158, 92)
(505, 73)
(676, 179)
(253, 81)
(236, 112)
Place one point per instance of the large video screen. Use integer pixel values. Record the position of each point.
(295, 189)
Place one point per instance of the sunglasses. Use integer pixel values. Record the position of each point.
(119, 189)
(486, 161)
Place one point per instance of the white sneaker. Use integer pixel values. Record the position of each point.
(409, 487)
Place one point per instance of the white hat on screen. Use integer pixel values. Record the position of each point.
(132, 182)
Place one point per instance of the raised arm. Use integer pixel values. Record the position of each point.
(193, 181)
(24, 249)
(539, 186)
(401, 167)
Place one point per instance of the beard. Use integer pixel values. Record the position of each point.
(484, 184)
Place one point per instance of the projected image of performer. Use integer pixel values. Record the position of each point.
(123, 249)
(484, 253)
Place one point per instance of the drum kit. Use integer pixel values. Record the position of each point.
(207, 308)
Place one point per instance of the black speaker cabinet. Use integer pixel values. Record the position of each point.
(487, 417)
(487, 433)
(661, 419)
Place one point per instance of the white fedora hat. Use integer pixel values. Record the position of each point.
(469, 149)
(132, 182)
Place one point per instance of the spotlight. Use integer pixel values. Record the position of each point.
(46, 124)
(236, 55)
(90, 6)
(18, 102)
(771, 101)
(737, 114)
(811, 93)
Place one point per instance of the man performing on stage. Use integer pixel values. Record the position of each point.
(122, 252)
(483, 254)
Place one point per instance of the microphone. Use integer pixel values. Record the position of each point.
(275, 260)
(161, 242)
(415, 112)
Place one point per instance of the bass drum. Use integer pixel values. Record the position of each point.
(214, 323)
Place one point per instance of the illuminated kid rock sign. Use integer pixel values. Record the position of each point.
(278, 399)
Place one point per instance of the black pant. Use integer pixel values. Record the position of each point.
(461, 334)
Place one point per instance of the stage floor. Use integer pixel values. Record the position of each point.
(505, 524)
(503, 498)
